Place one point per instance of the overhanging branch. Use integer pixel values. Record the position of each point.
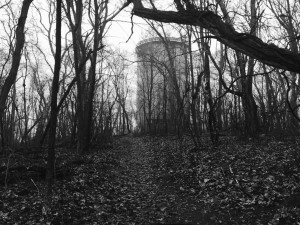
(248, 44)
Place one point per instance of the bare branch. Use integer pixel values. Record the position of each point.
(5, 4)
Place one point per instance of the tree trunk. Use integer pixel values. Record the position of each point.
(214, 133)
(194, 95)
(16, 58)
(91, 89)
(54, 93)
(250, 107)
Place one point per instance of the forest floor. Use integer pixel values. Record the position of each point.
(152, 180)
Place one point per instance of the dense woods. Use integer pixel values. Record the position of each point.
(206, 75)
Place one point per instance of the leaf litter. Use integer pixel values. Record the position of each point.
(163, 180)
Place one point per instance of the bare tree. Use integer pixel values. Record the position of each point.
(289, 20)
(54, 93)
(16, 57)
(99, 17)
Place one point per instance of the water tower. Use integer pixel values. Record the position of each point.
(161, 77)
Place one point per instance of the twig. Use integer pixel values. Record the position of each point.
(35, 186)
(131, 18)
(239, 185)
(6, 172)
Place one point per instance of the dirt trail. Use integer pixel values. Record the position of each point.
(139, 181)
(161, 194)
